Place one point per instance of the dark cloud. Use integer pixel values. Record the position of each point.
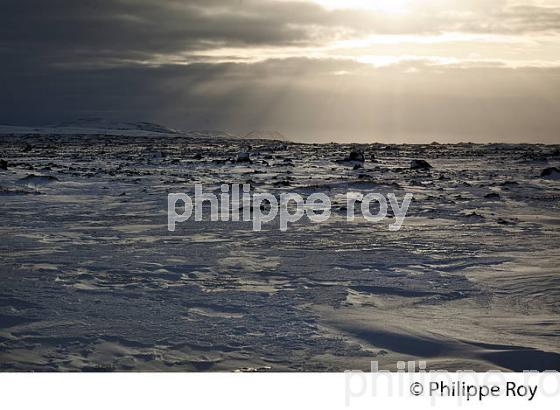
(135, 31)
(62, 59)
(319, 100)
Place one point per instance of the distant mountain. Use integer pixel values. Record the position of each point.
(210, 134)
(256, 135)
(265, 135)
(104, 124)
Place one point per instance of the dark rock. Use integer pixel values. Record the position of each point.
(420, 164)
(244, 157)
(39, 178)
(492, 195)
(551, 173)
(501, 221)
(357, 155)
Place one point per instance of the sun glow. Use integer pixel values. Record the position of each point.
(383, 6)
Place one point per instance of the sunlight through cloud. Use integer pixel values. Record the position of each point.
(384, 6)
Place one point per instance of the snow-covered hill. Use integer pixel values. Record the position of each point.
(266, 135)
(92, 126)
(105, 124)
(101, 126)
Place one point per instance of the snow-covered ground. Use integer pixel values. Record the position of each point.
(90, 278)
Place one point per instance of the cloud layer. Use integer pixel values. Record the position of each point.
(443, 69)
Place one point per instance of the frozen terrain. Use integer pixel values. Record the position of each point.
(90, 278)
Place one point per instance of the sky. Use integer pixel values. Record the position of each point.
(315, 70)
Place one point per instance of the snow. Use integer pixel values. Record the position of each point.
(101, 126)
(92, 280)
